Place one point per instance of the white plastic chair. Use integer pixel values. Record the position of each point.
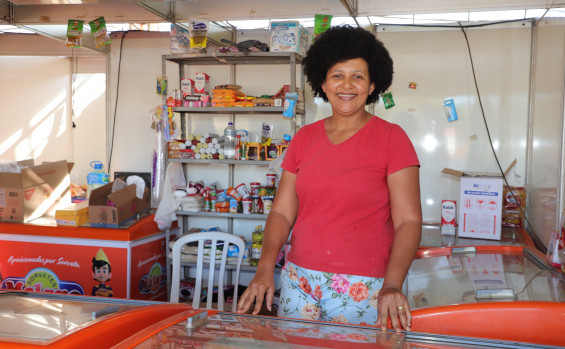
(202, 238)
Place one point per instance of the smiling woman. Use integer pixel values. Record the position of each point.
(361, 245)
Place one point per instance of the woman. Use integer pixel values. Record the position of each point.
(350, 194)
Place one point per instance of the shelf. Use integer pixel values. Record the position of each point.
(224, 214)
(233, 110)
(218, 58)
(221, 162)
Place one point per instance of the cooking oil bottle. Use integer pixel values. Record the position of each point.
(257, 238)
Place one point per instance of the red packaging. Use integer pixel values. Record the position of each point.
(448, 214)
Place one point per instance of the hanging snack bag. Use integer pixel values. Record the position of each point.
(321, 24)
(99, 32)
(74, 33)
(180, 40)
(198, 34)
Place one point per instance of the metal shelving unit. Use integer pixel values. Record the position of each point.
(232, 59)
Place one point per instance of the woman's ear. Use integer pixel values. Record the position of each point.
(372, 88)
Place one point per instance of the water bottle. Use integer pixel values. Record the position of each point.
(96, 177)
(229, 141)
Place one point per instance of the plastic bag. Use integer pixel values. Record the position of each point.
(275, 165)
(159, 147)
(166, 211)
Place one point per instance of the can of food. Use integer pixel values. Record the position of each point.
(247, 204)
(242, 191)
(267, 204)
(254, 188)
(271, 179)
(448, 214)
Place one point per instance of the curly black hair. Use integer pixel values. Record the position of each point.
(342, 43)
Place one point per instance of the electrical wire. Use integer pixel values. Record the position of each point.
(116, 103)
(534, 237)
(73, 88)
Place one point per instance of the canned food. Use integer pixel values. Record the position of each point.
(271, 179)
(247, 203)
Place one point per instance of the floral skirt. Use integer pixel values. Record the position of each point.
(315, 295)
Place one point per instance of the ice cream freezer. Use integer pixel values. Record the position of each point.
(34, 320)
(461, 297)
(125, 262)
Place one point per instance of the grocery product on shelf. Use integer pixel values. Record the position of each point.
(257, 246)
(229, 141)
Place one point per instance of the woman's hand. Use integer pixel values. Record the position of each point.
(261, 287)
(392, 303)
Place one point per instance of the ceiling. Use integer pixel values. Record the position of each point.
(45, 16)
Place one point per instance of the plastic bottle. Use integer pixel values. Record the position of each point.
(97, 177)
(229, 141)
(257, 246)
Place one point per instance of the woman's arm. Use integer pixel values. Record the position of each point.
(406, 213)
(277, 229)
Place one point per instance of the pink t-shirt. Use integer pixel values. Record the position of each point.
(343, 223)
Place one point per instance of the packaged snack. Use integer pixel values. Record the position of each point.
(290, 99)
(387, 100)
(161, 85)
(450, 111)
(321, 24)
(266, 133)
(74, 32)
(198, 34)
(180, 41)
(99, 32)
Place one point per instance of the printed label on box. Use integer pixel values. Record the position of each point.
(480, 213)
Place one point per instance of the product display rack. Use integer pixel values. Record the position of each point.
(232, 59)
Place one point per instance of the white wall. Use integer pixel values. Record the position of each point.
(37, 109)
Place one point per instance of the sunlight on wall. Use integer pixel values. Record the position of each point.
(8, 143)
(87, 88)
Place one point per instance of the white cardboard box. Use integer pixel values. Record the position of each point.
(480, 208)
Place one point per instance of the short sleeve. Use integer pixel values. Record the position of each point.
(401, 152)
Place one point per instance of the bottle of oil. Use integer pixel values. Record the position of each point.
(257, 237)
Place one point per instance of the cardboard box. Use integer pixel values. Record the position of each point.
(288, 36)
(73, 216)
(35, 191)
(124, 206)
(481, 200)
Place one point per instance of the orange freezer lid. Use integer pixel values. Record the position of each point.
(528, 322)
(146, 226)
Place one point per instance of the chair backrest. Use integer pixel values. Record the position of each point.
(214, 237)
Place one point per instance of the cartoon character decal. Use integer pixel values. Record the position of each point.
(101, 272)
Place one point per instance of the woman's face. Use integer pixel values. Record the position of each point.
(348, 85)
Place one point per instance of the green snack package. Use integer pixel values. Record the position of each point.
(74, 32)
(321, 24)
(99, 32)
(387, 100)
